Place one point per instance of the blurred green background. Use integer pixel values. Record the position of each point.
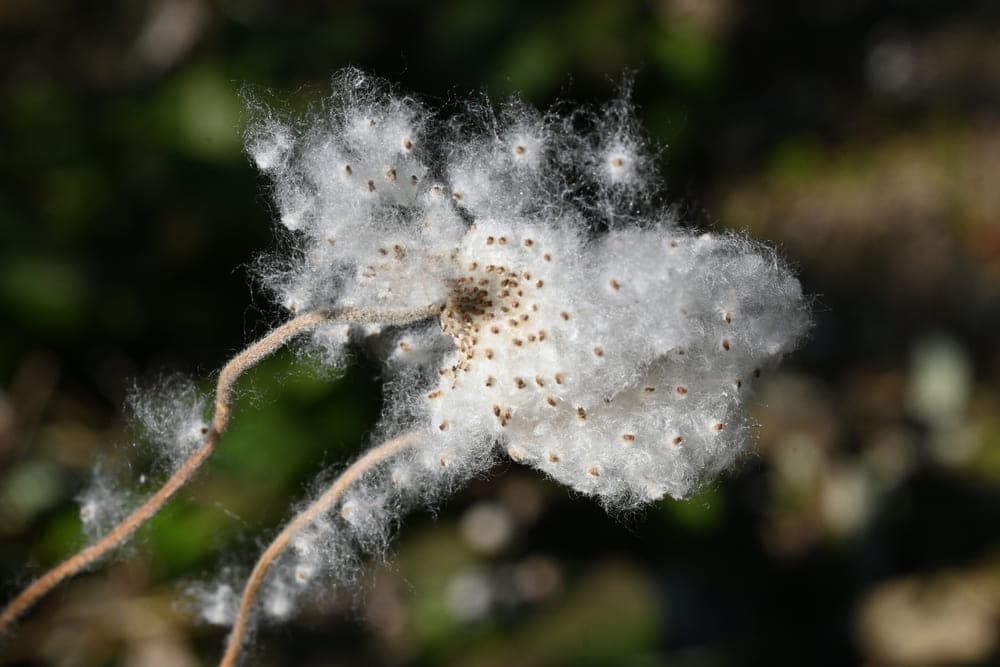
(863, 138)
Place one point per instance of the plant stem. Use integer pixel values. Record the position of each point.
(230, 373)
(320, 506)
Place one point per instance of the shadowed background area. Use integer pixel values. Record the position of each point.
(863, 138)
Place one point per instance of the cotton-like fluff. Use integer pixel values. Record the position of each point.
(373, 227)
(582, 331)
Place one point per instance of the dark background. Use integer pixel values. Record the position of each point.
(862, 138)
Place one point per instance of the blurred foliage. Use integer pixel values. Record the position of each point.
(861, 137)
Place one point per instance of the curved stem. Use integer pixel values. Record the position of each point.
(321, 505)
(220, 420)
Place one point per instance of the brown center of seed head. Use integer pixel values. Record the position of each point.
(488, 307)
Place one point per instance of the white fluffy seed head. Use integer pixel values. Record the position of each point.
(582, 332)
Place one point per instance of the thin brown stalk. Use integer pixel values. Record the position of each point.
(320, 506)
(220, 420)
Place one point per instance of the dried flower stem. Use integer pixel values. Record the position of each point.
(223, 409)
(371, 459)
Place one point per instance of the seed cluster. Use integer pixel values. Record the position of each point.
(617, 362)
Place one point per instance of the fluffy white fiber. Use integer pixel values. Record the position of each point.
(583, 331)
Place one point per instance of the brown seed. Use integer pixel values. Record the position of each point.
(553, 457)
(391, 174)
(547, 257)
(204, 430)
(617, 162)
(496, 410)
(489, 240)
(564, 315)
(490, 381)
(407, 144)
(649, 390)
(539, 380)
(371, 186)
(494, 329)
(443, 426)
(521, 384)
(514, 453)
(718, 426)
(435, 394)
(628, 437)
(532, 338)
(551, 401)
(681, 390)
(581, 414)
(528, 243)
(559, 378)
(674, 244)
(615, 285)
(489, 354)
(677, 440)
(502, 240)
(413, 179)
(739, 383)
(405, 347)
(728, 317)
(594, 471)
(457, 196)
(519, 150)
(542, 335)
(348, 170)
(518, 342)
(540, 284)
(725, 344)
(599, 351)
